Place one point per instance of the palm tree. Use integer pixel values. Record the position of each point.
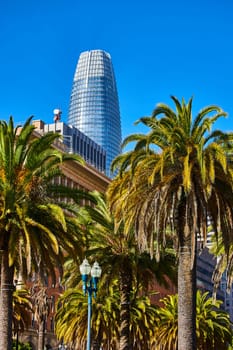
(27, 205)
(71, 319)
(176, 178)
(120, 256)
(214, 328)
(121, 259)
(166, 331)
(143, 320)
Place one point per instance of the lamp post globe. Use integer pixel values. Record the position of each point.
(85, 267)
(96, 270)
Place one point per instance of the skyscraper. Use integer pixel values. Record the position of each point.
(94, 106)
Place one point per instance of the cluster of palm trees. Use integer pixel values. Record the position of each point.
(124, 316)
(178, 177)
(126, 276)
(174, 181)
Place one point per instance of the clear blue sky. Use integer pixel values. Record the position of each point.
(158, 48)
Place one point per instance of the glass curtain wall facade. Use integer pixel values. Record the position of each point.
(94, 106)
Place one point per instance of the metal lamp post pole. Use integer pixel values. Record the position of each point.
(89, 318)
(90, 278)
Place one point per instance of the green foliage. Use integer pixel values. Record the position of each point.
(179, 158)
(34, 227)
(71, 318)
(22, 309)
(21, 346)
(113, 246)
(214, 328)
(224, 262)
(166, 331)
(126, 274)
(177, 177)
(213, 325)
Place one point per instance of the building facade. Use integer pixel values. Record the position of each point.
(77, 142)
(206, 263)
(94, 105)
(87, 177)
(228, 296)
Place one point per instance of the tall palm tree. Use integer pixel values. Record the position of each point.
(121, 259)
(29, 239)
(176, 177)
(214, 328)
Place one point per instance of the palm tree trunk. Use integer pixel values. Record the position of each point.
(6, 304)
(186, 301)
(186, 281)
(125, 289)
(41, 335)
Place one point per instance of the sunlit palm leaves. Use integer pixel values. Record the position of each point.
(175, 179)
(22, 309)
(33, 227)
(213, 326)
(214, 329)
(121, 262)
(71, 318)
(166, 331)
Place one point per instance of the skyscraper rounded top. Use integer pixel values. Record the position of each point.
(93, 63)
(96, 52)
(94, 106)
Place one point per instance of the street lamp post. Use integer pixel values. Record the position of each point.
(90, 278)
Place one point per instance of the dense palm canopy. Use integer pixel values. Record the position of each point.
(33, 226)
(114, 247)
(71, 319)
(120, 259)
(176, 178)
(213, 325)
